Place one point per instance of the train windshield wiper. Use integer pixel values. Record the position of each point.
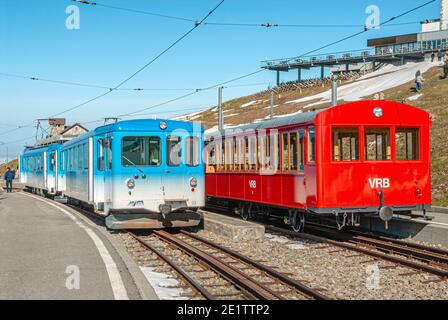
(133, 164)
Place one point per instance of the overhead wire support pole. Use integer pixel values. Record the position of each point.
(334, 91)
(220, 112)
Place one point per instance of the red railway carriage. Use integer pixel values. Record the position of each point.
(368, 157)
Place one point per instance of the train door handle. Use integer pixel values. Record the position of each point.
(167, 171)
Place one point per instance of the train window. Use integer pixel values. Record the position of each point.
(290, 147)
(345, 144)
(407, 144)
(79, 157)
(293, 151)
(101, 155)
(253, 153)
(240, 153)
(211, 157)
(377, 144)
(221, 154)
(173, 151)
(235, 154)
(285, 153)
(229, 154)
(86, 156)
(311, 144)
(302, 150)
(109, 153)
(263, 154)
(141, 151)
(246, 153)
(52, 161)
(76, 158)
(193, 151)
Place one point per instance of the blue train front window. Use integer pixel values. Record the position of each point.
(193, 151)
(173, 151)
(141, 151)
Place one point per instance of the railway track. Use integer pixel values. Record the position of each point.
(430, 255)
(412, 255)
(253, 280)
(417, 259)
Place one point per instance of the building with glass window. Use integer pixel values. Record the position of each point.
(430, 44)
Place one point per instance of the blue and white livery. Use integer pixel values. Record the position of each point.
(137, 173)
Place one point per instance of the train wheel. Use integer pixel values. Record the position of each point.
(245, 212)
(298, 222)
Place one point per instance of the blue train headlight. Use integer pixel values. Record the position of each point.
(130, 183)
(193, 182)
(163, 125)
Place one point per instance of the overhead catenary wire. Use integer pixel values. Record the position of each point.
(120, 84)
(230, 24)
(237, 78)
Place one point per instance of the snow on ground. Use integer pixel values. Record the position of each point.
(296, 245)
(248, 104)
(185, 116)
(231, 115)
(415, 97)
(164, 285)
(381, 80)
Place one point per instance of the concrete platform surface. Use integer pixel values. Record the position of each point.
(433, 231)
(48, 252)
(233, 228)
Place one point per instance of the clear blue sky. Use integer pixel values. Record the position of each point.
(111, 45)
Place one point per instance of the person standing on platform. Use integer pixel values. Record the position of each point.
(9, 177)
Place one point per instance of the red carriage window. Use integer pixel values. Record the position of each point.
(301, 150)
(291, 144)
(293, 151)
(229, 154)
(407, 143)
(253, 153)
(211, 157)
(235, 154)
(377, 144)
(285, 152)
(311, 144)
(345, 144)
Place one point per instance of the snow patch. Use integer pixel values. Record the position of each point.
(296, 246)
(164, 285)
(248, 104)
(415, 97)
(381, 80)
(275, 238)
(231, 115)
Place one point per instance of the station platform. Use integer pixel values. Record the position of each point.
(432, 230)
(51, 252)
(233, 228)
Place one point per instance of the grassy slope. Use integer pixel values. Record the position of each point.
(434, 100)
(12, 164)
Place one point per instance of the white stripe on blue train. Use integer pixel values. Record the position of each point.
(140, 174)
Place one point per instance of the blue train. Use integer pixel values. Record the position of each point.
(139, 174)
